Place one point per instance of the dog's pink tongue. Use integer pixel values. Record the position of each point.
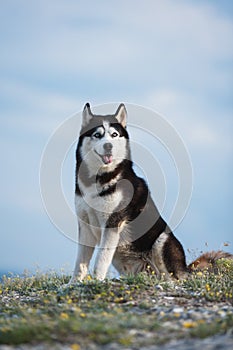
(107, 159)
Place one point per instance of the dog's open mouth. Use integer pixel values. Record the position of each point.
(106, 158)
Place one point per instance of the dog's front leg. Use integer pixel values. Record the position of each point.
(105, 252)
(86, 246)
(82, 263)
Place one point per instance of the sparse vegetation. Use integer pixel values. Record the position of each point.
(128, 311)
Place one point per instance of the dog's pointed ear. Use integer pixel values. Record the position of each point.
(121, 115)
(87, 115)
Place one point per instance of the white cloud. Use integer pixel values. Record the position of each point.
(82, 38)
(35, 109)
(196, 121)
(203, 135)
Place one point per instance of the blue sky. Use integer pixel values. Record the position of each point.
(174, 57)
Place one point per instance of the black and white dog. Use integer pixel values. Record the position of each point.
(115, 210)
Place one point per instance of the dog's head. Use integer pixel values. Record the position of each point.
(104, 139)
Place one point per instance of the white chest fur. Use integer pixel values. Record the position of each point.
(95, 206)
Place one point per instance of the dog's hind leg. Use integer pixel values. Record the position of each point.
(168, 256)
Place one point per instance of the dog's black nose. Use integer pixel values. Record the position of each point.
(108, 146)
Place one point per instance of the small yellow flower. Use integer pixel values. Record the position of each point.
(189, 324)
(75, 347)
(201, 321)
(64, 316)
(104, 313)
(69, 301)
(207, 287)
(83, 315)
(199, 274)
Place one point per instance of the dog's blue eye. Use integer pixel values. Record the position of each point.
(115, 134)
(97, 135)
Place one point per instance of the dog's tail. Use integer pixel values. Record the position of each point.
(209, 261)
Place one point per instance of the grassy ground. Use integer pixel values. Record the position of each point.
(128, 311)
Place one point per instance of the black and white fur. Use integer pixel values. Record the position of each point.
(115, 210)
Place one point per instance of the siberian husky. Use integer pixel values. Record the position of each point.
(115, 210)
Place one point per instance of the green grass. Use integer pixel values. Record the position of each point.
(213, 287)
(129, 311)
